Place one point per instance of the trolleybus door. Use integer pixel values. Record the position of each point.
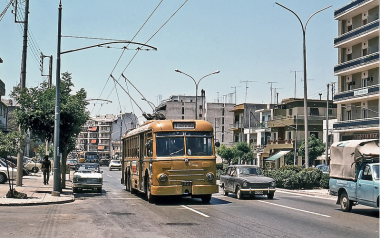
(141, 161)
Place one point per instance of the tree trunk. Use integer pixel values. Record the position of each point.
(63, 167)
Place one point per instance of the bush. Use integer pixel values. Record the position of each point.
(310, 178)
(295, 168)
(324, 182)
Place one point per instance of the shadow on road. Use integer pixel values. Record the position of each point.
(369, 212)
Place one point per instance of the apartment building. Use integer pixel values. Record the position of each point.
(357, 70)
(287, 127)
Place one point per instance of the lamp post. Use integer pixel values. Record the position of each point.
(57, 181)
(196, 87)
(304, 76)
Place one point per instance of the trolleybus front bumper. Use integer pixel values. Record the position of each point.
(184, 190)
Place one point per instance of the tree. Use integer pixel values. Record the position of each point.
(41, 150)
(226, 153)
(289, 158)
(243, 151)
(37, 113)
(9, 145)
(316, 148)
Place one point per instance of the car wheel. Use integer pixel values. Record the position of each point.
(206, 198)
(270, 195)
(3, 178)
(151, 198)
(133, 191)
(345, 203)
(110, 169)
(35, 170)
(99, 190)
(239, 195)
(225, 193)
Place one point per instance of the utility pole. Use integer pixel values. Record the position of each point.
(327, 125)
(235, 92)
(271, 88)
(50, 75)
(22, 84)
(246, 87)
(295, 82)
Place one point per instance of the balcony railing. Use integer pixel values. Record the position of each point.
(368, 59)
(348, 7)
(356, 93)
(360, 123)
(357, 32)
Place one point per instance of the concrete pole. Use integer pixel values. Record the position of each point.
(57, 179)
(20, 154)
(327, 125)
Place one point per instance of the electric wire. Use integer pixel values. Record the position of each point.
(152, 37)
(123, 53)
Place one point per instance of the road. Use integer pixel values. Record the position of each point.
(117, 213)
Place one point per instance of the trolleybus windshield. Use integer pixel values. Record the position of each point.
(199, 143)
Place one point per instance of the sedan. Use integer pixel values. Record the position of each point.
(247, 180)
(87, 176)
(115, 164)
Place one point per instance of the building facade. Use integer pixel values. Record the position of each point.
(357, 70)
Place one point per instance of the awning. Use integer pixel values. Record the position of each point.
(100, 147)
(95, 128)
(278, 155)
(93, 141)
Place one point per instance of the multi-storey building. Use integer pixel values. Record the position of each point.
(124, 123)
(357, 70)
(218, 114)
(288, 130)
(96, 135)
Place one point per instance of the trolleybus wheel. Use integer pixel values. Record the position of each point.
(206, 198)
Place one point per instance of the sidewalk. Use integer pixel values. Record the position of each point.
(38, 193)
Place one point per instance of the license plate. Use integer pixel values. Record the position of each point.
(258, 192)
(187, 183)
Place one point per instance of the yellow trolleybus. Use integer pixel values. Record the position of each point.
(170, 157)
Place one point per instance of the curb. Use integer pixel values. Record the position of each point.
(35, 203)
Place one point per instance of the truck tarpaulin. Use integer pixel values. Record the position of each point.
(345, 154)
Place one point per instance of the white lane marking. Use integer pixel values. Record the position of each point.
(109, 175)
(306, 195)
(193, 210)
(296, 209)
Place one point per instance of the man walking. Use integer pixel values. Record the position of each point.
(46, 168)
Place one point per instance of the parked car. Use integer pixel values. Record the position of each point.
(115, 164)
(4, 173)
(247, 180)
(72, 163)
(4, 163)
(33, 167)
(324, 168)
(87, 176)
(104, 161)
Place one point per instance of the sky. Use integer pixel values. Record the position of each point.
(247, 40)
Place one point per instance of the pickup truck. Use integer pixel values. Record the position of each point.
(354, 173)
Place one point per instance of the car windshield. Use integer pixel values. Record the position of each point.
(249, 171)
(376, 172)
(88, 168)
(199, 143)
(115, 161)
(170, 144)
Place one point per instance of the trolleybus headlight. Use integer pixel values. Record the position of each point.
(245, 184)
(273, 184)
(210, 176)
(163, 177)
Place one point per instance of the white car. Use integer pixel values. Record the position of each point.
(87, 176)
(115, 164)
(4, 173)
(33, 166)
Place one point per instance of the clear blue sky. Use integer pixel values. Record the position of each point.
(250, 40)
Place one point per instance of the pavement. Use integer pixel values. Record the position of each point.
(37, 192)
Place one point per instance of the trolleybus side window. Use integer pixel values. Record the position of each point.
(148, 145)
(170, 144)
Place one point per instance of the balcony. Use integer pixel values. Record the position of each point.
(357, 65)
(236, 126)
(353, 37)
(357, 125)
(360, 93)
(347, 11)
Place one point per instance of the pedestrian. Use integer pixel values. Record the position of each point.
(46, 168)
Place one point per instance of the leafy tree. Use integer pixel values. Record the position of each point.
(37, 113)
(289, 158)
(243, 151)
(41, 150)
(226, 153)
(316, 148)
(9, 145)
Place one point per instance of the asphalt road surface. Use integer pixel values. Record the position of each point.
(117, 213)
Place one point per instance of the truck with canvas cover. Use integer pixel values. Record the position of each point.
(354, 173)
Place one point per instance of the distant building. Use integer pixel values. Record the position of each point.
(120, 126)
(357, 70)
(221, 117)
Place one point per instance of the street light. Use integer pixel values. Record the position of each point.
(196, 87)
(305, 81)
(57, 180)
